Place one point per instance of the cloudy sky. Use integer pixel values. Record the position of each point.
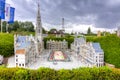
(79, 14)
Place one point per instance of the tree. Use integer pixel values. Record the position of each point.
(44, 31)
(89, 31)
(4, 26)
(72, 33)
(21, 26)
(15, 26)
(29, 26)
(52, 31)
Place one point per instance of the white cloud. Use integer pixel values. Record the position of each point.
(113, 2)
(79, 17)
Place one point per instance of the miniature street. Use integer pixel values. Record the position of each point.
(42, 61)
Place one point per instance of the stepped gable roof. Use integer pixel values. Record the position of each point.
(97, 47)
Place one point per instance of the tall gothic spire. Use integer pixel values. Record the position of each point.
(39, 45)
(38, 23)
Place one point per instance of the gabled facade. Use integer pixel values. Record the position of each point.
(75, 46)
(25, 51)
(27, 48)
(99, 54)
(89, 53)
(57, 45)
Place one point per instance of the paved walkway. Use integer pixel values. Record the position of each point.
(43, 62)
(11, 62)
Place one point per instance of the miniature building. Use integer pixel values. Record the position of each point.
(75, 46)
(89, 53)
(38, 31)
(1, 59)
(99, 34)
(118, 32)
(98, 55)
(56, 33)
(27, 48)
(25, 51)
(57, 45)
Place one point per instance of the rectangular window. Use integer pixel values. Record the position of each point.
(22, 64)
(16, 55)
(16, 64)
(16, 60)
(19, 64)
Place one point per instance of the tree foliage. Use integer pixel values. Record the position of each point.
(21, 26)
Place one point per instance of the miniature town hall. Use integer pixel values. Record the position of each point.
(29, 49)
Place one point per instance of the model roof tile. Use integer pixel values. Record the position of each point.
(22, 42)
(97, 47)
(20, 51)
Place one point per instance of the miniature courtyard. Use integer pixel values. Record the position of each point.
(59, 63)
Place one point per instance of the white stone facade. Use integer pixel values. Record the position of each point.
(1, 59)
(89, 53)
(25, 51)
(118, 32)
(27, 48)
(57, 45)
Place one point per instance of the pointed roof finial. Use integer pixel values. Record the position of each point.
(38, 4)
(38, 21)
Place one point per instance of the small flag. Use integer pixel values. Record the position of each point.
(12, 12)
(2, 9)
(7, 12)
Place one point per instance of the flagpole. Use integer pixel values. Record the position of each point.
(1, 25)
(7, 27)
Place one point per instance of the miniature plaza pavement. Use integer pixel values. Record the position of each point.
(43, 61)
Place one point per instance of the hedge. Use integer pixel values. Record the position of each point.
(6, 44)
(103, 73)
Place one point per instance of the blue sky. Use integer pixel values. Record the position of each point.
(79, 14)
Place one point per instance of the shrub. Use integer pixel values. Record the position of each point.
(6, 44)
(103, 73)
(21, 74)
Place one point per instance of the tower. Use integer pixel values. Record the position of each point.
(63, 28)
(99, 34)
(118, 32)
(38, 35)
